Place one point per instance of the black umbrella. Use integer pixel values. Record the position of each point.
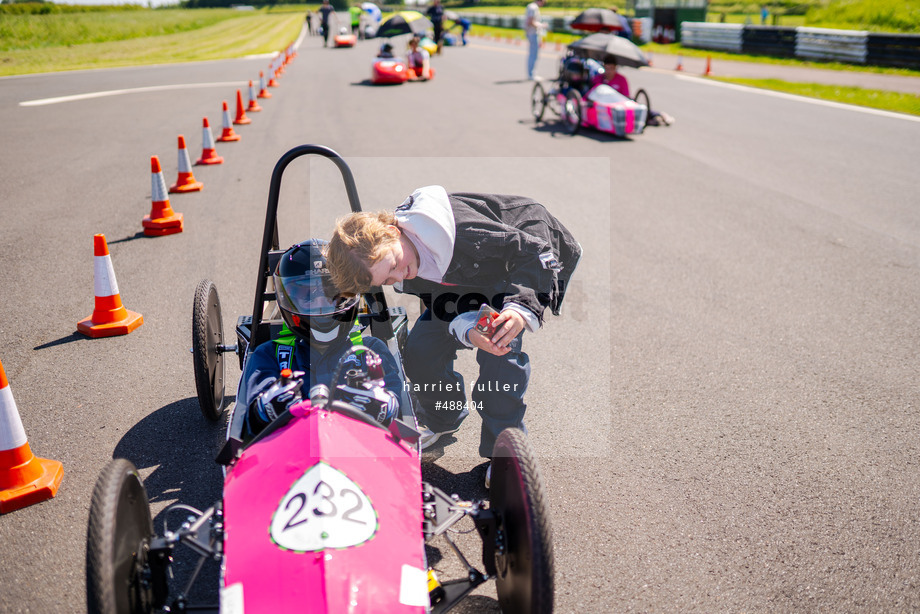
(602, 45)
(404, 22)
(597, 20)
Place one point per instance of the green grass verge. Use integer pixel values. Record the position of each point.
(19, 32)
(875, 99)
(243, 34)
(675, 49)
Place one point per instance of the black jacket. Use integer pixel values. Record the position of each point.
(508, 249)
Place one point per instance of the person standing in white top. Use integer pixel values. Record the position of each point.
(534, 29)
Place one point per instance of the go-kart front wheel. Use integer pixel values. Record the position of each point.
(525, 579)
(117, 540)
(641, 97)
(571, 111)
(538, 101)
(207, 354)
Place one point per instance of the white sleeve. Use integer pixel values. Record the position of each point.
(461, 326)
(531, 321)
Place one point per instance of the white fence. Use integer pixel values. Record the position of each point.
(723, 36)
(824, 44)
(810, 43)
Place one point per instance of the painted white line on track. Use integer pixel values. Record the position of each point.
(153, 88)
(517, 51)
(817, 101)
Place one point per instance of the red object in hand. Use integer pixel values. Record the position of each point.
(485, 320)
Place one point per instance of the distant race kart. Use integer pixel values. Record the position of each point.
(344, 39)
(389, 71)
(569, 98)
(326, 510)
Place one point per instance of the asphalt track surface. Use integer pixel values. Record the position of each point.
(726, 417)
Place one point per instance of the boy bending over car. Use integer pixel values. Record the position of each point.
(458, 253)
(320, 322)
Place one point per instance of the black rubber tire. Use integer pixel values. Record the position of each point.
(117, 539)
(538, 101)
(525, 581)
(642, 98)
(571, 111)
(207, 336)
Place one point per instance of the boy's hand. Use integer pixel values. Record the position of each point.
(508, 325)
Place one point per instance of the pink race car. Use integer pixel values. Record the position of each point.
(326, 510)
(601, 108)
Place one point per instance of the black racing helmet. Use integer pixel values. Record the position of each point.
(310, 305)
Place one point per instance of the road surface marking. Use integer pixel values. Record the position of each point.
(153, 88)
(824, 103)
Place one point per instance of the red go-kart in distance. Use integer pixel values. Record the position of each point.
(389, 71)
(344, 39)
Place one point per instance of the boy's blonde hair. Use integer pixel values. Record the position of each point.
(356, 245)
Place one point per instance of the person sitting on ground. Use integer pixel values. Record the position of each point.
(418, 61)
(320, 329)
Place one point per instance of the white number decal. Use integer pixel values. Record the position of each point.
(323, 509)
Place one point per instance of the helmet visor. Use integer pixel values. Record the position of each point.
(311, 295)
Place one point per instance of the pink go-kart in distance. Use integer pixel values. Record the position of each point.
(571, 97)
(326, 510)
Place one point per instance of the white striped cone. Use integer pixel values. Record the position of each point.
(162, 220)
(253, 103)
(227, 134)
(263, 93)
(110, 318)
(24, 478)
(12, 435)
(186, 181)
(208, 153)
(273, 68)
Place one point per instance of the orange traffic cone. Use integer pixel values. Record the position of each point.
(208, 153)
(708, 71)
(240, 118)
(680, 63)
(228, 134)
(161, 220)
(25, 479)
(186, 181)
(110, 318)
(263, 93)
(253, 103)
(274, 73)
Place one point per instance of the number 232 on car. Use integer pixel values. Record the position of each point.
(323, 509)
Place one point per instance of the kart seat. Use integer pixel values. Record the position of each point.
(574, 72)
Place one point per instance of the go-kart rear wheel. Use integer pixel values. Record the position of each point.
(207, 337)
(538, 101)
(571, 111)
(525, 579)
(641, 97)
(117, 541)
